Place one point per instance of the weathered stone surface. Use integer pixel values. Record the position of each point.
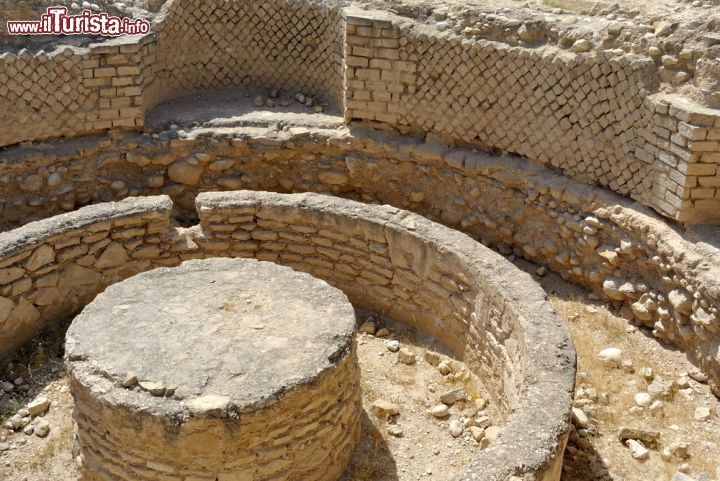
(114, 255)
(38, 406)
(440, 411)
(24, 315)
(183, 172)
(47, 296)
(41, 257)
(637, 450)
(383, 408)
(258, 310)
(646, 436)
(611, 356)
(406, 356)
(10, 275)
(6, 307)
(580, 419)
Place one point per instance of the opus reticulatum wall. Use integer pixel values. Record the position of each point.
(274, 44)
(590, 115)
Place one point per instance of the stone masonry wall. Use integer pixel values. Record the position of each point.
(591, 116)
(586, 115)
(577, 112)
(653, 274)
(495, 316)
(275, 44)
(72, 91)
(684, 139)
(308, 434)
(50, 269)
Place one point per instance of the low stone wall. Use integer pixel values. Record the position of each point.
(577, 112)
(51, 268)
(438, 280)
(599, 240)
(435, 279)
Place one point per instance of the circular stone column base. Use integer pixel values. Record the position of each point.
(222, 369)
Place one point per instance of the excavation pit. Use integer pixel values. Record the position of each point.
(217, 369)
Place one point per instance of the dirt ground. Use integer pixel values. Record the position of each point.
(596, 452)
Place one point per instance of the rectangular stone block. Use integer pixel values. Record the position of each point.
(104, 72)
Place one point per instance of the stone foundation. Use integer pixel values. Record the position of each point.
(216, 370)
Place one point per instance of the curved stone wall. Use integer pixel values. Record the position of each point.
(51, 268)
(320, 418)
(436, 279)
(275, 44)
(598, 240)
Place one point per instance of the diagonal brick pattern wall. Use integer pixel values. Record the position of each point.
(276, 44)
(72, 91)
(591, 116)
(45, 91)
(587, 115)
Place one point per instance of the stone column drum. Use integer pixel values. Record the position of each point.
(216, 370)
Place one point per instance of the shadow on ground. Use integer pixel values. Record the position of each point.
(372, 460)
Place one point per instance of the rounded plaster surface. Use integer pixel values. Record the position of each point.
(216, 333)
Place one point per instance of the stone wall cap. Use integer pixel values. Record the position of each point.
(30, 235)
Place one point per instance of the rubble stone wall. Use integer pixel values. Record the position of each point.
(655, 274)
(439, 280)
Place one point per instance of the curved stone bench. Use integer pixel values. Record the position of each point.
(496, 318)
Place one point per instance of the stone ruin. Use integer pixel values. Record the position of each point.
(384, 259)
(247, 370)
(403, 153)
